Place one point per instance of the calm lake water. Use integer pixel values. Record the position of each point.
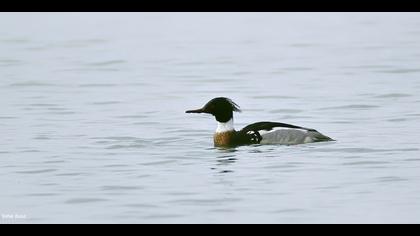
(94, 130)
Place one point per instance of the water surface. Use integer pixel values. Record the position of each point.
(94, 130)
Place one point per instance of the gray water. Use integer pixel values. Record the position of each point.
(94, 130)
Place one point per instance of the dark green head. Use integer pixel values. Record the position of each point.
(222, 108)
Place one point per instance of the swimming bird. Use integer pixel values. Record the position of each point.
(264, 132)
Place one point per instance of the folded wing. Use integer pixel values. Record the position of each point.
(281, 133)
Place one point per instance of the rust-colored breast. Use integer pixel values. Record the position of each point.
(224, 139)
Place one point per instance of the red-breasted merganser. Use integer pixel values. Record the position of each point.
(257, 133)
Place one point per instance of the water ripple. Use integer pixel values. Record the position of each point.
(202, 202)
(31, 84)
(288, 210)
(399, 71)
(106, 63)
(84, 200)
(393, 95)
(120, 188)
(10, 62)
(106, 103)
(351, 107)
(15, 41)
(140, 205)
(366, 150)
(41, 194)
(286, 111)
(7, 117)
(91, 85)
(391, 179)
(365, 163)
(273, 97)
(36, 171)
(154, 163)
(72, 174)
(126, 146)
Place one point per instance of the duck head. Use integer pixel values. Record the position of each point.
(221, 108)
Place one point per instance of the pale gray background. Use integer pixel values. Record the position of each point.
(94, 131)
